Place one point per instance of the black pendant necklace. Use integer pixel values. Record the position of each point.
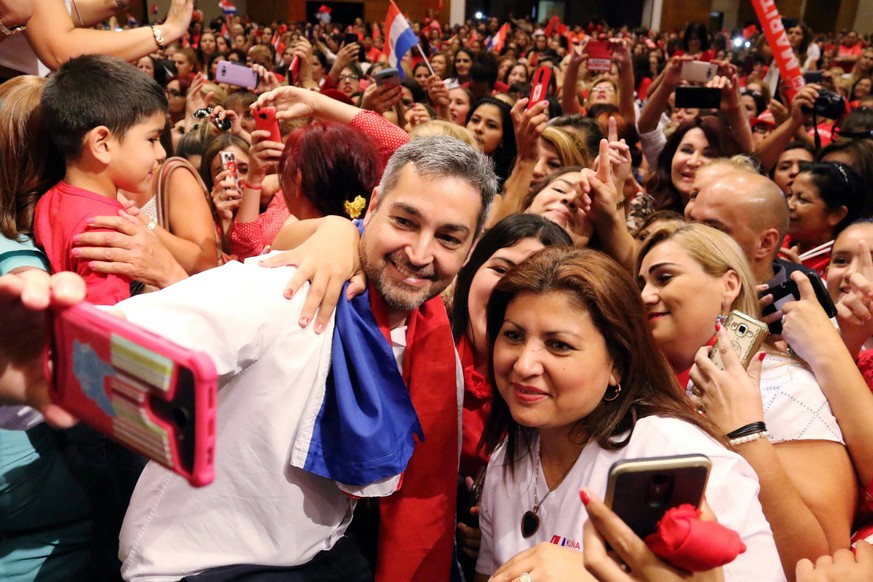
(530, 521)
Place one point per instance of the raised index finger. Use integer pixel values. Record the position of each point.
(613, 129)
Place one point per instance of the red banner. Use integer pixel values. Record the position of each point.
(777, 38)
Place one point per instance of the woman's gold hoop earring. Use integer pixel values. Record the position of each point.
(615, 395)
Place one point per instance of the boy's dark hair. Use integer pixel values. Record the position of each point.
(94, 90)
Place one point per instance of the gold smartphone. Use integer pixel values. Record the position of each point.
(746, 333)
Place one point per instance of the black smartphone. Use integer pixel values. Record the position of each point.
(390, 77)
(698, 97)
(813, 76)
(788, 291)
(640, 491)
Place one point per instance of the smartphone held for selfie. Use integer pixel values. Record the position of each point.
(640, 491)
(698, 71)
(540, 89)
(239, 75)
(698, 97)
(265, 119)
(228, 164)
(746, 336)
(599, 55)
(788, 291)
(151, 395)
(388, 77)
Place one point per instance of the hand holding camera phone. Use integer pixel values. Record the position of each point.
(228, 164)
(265, 119)
(746, 336)
(149, 394)
(640, 491)
(540, 89)
(238, 75)
(698, 71)
(788, 291)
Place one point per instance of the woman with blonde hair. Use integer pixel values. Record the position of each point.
(442, 127)
(692, 276)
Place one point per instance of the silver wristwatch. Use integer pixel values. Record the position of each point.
(159, 37)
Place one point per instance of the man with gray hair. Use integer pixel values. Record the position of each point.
(290, 449)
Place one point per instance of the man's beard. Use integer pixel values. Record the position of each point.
(398, 296)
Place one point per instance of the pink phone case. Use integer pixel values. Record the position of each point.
(238, 75)
(265, 118)
(149, 394)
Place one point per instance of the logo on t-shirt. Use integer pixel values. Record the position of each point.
(559, 541)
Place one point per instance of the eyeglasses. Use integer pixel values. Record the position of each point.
(223, 124)
(343, 78)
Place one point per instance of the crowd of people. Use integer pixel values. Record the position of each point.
(514, 293)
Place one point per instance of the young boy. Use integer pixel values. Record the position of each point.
(105, 117)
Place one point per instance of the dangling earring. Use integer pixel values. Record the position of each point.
(615, 395)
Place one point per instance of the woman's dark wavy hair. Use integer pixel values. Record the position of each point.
(611, 297)
(660, 186)
(506, 233)
(838, 185)
(336, 164)
(504, 155)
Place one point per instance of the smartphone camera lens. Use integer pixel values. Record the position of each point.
(659, 490)
(741, 330)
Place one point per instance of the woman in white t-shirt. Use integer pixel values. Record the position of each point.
(579, 384)
(691, 275)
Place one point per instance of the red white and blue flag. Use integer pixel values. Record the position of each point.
(400, 36)
(227, 7)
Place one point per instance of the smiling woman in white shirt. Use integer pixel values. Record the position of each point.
(579, 385)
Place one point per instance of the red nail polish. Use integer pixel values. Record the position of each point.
(761, 356)
(585, 497)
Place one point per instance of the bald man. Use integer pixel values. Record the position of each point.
(753, 211)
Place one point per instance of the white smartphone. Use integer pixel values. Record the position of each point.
(698, 71)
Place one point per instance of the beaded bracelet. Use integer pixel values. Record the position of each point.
(749, 438)
(751, 428)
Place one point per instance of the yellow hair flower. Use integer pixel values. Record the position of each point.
(355, 207)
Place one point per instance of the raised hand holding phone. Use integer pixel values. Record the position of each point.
(731, 398)
(151, 395)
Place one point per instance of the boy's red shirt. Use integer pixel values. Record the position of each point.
(61, 214)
